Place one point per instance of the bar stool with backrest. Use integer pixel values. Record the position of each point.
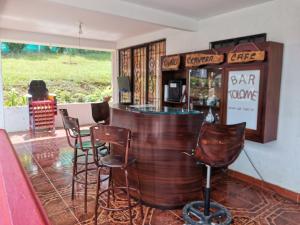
(218, 146)
(64, 113)
(100, 112)
(116, 137)
(74, 138)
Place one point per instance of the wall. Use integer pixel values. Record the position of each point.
(17, 119)
(115, 72)
(278, 161)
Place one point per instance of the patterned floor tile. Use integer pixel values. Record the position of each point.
(48, 163)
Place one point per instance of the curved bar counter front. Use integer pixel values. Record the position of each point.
(168, 178)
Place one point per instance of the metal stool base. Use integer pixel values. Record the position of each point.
(190, 212)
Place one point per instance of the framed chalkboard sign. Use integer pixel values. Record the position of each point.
(243, 97)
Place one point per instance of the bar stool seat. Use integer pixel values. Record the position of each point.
(116, 161)
(88, 144)
(84, 133)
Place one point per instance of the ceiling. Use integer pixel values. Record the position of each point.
(111, 20)
(52, 18)
(197, 9)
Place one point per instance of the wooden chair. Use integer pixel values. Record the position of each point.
(74, 137)
(42, 107)
(218, 146)
(64, 113)
(116, 137)
(100, 112)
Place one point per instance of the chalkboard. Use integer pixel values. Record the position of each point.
(243, 97)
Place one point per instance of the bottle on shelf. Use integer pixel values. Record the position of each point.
(210, 117)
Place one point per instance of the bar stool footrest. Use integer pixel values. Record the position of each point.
(219, 215)
(77, 179)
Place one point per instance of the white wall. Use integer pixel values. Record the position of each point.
(278, 162)
(17, 118)
(82, 111)
(115, 72)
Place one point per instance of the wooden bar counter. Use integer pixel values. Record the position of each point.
(169, 178)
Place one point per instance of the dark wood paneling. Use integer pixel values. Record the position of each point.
(169, 178)
(273, 83)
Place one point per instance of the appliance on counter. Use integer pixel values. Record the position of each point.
(175, 91)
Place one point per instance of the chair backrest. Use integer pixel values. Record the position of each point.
(63, 112)
(220, 145)
(72, 129)
(38, 90)
(100, 112)
(113, 136)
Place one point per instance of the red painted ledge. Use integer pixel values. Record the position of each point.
(19, 204)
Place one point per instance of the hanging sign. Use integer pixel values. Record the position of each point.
(198, 59)
(170, 62)
(243, 97)
(246, 56)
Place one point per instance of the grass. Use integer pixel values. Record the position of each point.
(73, 78)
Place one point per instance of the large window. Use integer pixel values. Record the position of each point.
(74, 75)
(142, 64)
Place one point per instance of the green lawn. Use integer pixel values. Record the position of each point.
(78, 78)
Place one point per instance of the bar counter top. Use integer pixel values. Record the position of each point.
(151, 109)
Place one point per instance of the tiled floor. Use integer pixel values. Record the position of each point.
(48, 162)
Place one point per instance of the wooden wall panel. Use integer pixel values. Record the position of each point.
(156, 50)
(140, 75)
(142, 64)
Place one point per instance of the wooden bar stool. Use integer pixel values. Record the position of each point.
(218, 146)
(74, 137)
(64, 113)
(116, 137)
(100, 112)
